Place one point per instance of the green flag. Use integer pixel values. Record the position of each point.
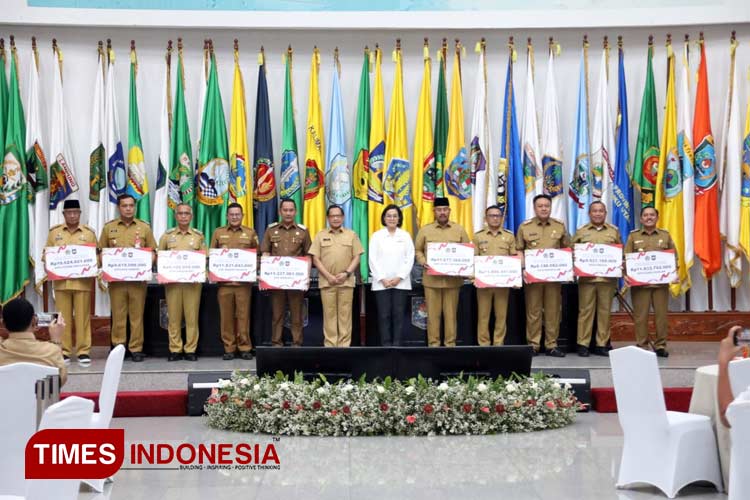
(362, 164)
(180, 188)
(137, 180)
(290, 185)
(14, 215)
(646, 164)
(212, 177)
(441, 126)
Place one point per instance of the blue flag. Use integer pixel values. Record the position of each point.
(579, 187)
(266, 209)
(514, 200)
(338, 176)
(622, 190)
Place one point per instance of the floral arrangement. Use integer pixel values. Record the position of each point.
(418, 406)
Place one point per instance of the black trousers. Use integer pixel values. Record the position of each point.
(391, 306)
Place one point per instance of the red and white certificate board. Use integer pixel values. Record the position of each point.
(232, 265)
(548, 265)
(284, 273)
(450, 259)
(70, 262)
(497, 271)
(126, 264)
(657, 267)
(181, 266)
(597, 260)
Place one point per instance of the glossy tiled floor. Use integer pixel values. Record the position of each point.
(579, 462)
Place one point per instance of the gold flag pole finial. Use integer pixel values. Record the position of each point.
(12, 42)
(651, 41)
(619, 41)
(585, 40)
(33, 42)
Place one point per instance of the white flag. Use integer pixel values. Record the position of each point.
(62, 181)
(685, 152)
(98, 195)
(37, 174)
(532, 172)
(603, 143)
(160, 195)
(730, 161)
(551, 151)
(117, 178)
(481, 152)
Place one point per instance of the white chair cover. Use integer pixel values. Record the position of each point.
(738, 414)
(739, 375)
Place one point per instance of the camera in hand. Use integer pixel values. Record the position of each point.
(45, 318)
(742, 337)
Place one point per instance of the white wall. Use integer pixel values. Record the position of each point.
(79, 48)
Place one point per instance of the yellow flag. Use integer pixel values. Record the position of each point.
(457, 169)
(377, 150)
(240, 176)
(669, 184)
(423, 180)
(397, 176)
(745, 191)
(315, 209)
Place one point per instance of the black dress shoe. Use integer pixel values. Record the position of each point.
(583, 351)
(137, 357)
(246, 355)
(190, 356)
(600, 351)
(228, 356)
(662, 353)
(556, 353)
(174, 356)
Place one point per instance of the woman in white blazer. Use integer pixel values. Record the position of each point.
(391, 258)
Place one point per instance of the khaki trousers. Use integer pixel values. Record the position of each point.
(542, 300)
(279, 300)
(234, 306)
(337, 315)
(183, 299)
(486, 299)
(594, 297)
(75, 306)
(643, 297)
(441, 302)
(128, 300)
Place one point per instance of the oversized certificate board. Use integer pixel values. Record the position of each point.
(232, 265)
(126, 264)
(284, 273)
(548, 265)
(497, 271)
(597, 260)
(181, 266)
(656, 267)
(450, 259)
(70, 262)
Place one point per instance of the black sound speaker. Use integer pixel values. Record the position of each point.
(578, 378)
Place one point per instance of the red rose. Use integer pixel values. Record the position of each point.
(286, 405)
(550, 405)
(500, 408)
(248, 403)
(467, 407)
(383, 406)
(485, 409)
(428, 408)
(346, 410)
(316, 405)
(334, 412)
(299, 407)
(411, 419)
(224, 398)
(531, 402)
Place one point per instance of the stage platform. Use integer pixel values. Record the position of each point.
(159, 374)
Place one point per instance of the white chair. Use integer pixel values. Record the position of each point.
(739, 375)
(738, 415)
(18, 420)
(665, 449)
(107, 397)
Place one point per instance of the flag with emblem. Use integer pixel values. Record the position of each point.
(14, 215)
(707, 241)
(425, 175)
(180, 183)
(579, 187)
(730, 160)
(160, 193)
(457, 169)
(362, 164)
(137, 179)
(646, 160)
(602, 140)
(745, 192)
(98, 197)
(552, 174)
(240, 182)
(117, 175)
(397, 175)
(377, 149)
(212, 176)
(314, 212)
(622, 189)
(530, 156)
(480, 149)
(511, 192)
(685, 152)
(289, 180)
(36, 175)
(264, 171)
(668, 199)
(338, 175)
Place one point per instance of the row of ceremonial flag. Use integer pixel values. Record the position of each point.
(701, 200)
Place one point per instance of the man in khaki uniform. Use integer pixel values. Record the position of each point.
(127, 298)
(440, 292)
(540, 232)
(595, 294)
(73, 296)
(648, 239)
(335, 253)
(493, 240)
(183, 299)
(286, 239)
(234, 298)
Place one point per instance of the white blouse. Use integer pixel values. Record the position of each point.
(391, 256)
